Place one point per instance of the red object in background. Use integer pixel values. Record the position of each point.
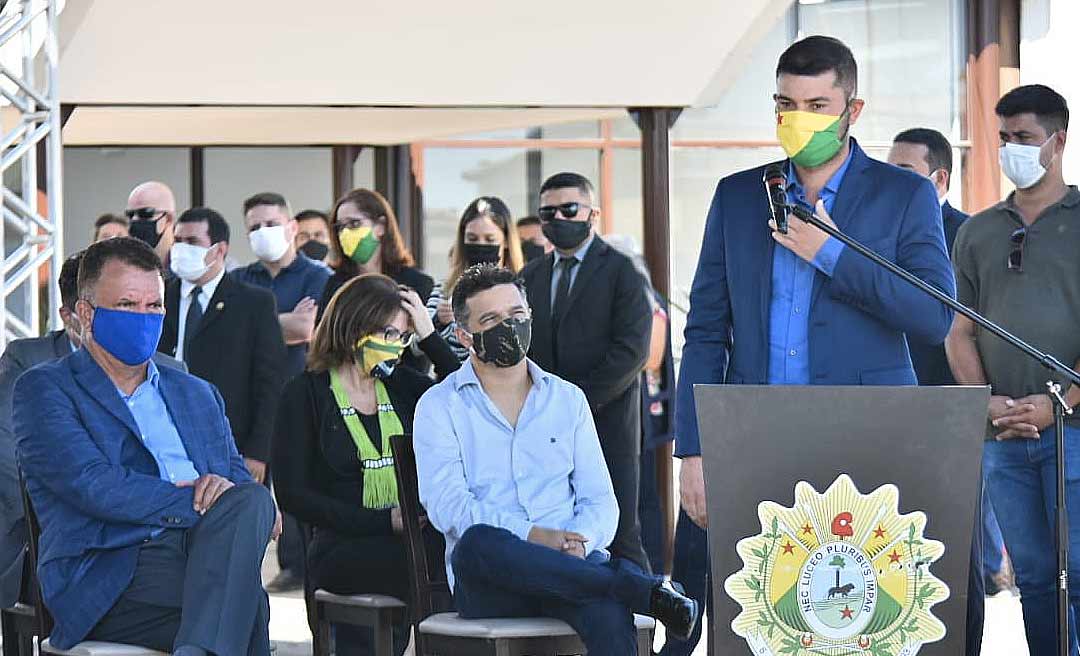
(841, 525)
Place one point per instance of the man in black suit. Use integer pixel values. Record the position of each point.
(928, 153)
(227, 332)
(20, 355)
(591, 326)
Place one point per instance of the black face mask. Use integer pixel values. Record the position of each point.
(531, 250)
(145, 231)
(482, 253)
(505, 344)
(316, 250)
(566, 234)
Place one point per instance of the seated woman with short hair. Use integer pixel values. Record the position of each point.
(333, 468)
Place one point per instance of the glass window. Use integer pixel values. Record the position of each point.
(627, 213)
(909, 66)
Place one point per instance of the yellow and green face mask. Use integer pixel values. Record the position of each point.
(809, 139)
(378, 356)
(359, 244)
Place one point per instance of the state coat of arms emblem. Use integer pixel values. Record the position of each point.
(839, 573)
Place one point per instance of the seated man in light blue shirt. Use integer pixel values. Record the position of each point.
(511, 472)
(152, 530)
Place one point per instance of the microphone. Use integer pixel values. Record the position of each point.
(775, 188)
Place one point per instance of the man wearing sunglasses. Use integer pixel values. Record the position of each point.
(592, 327)
(1018, 264)
(151, 209)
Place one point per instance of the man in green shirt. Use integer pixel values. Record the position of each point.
(1018, 264)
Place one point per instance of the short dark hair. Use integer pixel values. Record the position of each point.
(216, 225)
(69, 281)
(479, 278)
(818, 54)
(1048, 106)
(938, 148)
(568, 180)
(265, 198)
(107, 218)
(128, 250)
(529, 220)
(304, 215)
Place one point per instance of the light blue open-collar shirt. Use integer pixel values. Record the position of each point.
(473, 467)
(156, 428)
(792, 287)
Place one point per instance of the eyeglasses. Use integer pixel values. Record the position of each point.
(568, 210)
(144, 213)
(392, 334)
(1016, 255)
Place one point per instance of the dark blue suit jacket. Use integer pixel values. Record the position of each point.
(858, 317)
(96, 489)
(931, 365)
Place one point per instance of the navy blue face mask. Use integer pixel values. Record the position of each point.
(130, 337)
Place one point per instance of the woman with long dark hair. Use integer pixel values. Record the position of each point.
(486, 234)
(366, 237)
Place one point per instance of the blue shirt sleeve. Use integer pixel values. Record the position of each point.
(826, 258)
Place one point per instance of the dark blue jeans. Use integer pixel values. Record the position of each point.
(499, 575)
(1021, 480)
(993, 543)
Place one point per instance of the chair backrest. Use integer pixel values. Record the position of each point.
(44, 618)
(426, 547)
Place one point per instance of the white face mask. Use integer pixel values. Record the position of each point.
(188, 261)
(1020, 163)
(269, 243)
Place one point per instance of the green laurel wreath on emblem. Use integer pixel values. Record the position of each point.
(838, 574)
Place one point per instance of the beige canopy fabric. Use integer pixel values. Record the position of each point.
(256, 126)
(278, 71)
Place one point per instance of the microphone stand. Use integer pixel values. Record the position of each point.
(1057, 399)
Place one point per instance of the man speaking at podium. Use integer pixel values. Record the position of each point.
(801, 308)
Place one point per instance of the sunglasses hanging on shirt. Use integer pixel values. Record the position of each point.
(1016, 255)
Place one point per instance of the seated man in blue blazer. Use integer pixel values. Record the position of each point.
(152, 530)
(19, 356)
(801, 308)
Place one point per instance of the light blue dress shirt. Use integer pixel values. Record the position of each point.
(792, 284)
(473, 467)
(158, 433)
(556, 272)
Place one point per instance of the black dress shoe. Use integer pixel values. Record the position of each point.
(285, 581)
(677, 612)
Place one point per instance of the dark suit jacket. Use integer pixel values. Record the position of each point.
(238, 347)
(931, 366)
(603, 338)
(20, 355)
(96, 489)
(858, 317)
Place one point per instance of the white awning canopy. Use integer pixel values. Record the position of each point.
(279, 71)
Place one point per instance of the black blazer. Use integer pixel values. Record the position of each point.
(603, 338)
(318, 477)
(931, 365)
(238, 347)
(408, 276)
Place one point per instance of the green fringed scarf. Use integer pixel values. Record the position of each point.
(380, 485)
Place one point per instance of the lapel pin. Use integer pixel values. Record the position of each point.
(220, 306)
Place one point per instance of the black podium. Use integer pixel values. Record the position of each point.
(888, 479)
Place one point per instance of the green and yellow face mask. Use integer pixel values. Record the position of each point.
(809, 139)
(359, 244)
(378, 356)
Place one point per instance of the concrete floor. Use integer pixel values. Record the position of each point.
(1003, 635)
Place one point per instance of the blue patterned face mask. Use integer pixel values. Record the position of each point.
(130, 337)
